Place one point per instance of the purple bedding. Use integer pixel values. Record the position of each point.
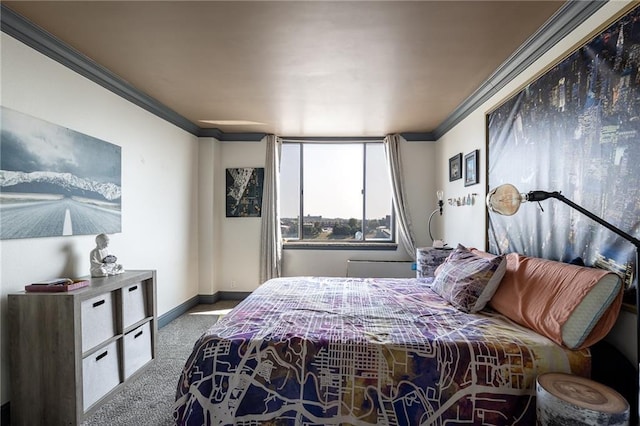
(310, 350)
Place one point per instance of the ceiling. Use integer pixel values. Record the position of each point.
(299, 68)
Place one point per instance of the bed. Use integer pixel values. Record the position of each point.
(323, 350)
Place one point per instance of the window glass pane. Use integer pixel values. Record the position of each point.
(340, 185)
(332, 199)
(290, 190)
(378, 204)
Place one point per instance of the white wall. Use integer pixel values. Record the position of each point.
(239, 245)
(159, 185)
(209, 215)
(418, 160)
(464, 224)
(467, 225)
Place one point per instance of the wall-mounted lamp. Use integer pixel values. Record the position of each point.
(440, 195)
(506, 200)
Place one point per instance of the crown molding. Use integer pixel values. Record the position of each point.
(419, 137)
(565, 20)
(210, 133)
(241, 137)
(35, 37)
(568, 17)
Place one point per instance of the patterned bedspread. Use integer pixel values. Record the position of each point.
(318, 351)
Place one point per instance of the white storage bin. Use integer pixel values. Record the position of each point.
(100, 374)
(137, 349)
(97, 318)
(133, 304)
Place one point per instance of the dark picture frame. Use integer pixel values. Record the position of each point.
(471, 176)
(244, 191)
(455, 167)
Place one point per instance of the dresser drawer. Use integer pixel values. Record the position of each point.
(97, 319)
(137, 349)
(133, 304)
(100, 374)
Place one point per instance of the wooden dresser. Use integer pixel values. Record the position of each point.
(71, 351)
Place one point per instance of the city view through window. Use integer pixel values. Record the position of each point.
(341, 191)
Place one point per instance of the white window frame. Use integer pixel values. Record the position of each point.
(300, 242)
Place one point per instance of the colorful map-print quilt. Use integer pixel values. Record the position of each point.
(364, 351)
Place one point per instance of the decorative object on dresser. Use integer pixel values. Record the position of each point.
(506, 199)
(82, 347)
(56, 285)
(103, 264)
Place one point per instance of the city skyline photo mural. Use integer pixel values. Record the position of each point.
(576, 130)
(55, 181)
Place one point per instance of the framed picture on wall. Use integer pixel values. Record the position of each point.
(244, 191)
(455, 167)
(56, 181)
(471, 168)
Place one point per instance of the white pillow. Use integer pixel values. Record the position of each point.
(588, 312)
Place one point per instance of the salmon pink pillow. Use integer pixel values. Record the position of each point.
(572, 305)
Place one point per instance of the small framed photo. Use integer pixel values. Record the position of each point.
(455, 167)
(471, 168)
(244, 191)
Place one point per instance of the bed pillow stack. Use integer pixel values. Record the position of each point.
(467, 280)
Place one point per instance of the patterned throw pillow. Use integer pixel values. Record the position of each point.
(468, 281)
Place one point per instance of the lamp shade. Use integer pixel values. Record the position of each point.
(505, 199)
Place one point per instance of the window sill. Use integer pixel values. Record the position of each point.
(308, 245)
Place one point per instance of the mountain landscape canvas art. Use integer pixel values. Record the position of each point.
(55, 181)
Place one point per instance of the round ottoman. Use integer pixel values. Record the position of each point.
(565, 399)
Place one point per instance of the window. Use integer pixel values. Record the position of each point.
(340, 190)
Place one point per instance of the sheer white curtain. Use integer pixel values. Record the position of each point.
(271, 241)
(394, 167)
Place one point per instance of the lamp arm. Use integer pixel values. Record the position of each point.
(543, 195)
(431, 217)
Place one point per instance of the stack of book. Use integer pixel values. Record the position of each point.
(56, 285)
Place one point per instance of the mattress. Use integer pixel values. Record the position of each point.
(364, 351)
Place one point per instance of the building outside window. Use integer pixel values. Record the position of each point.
(340, 190)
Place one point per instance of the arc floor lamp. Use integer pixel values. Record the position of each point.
(506, 199)
(440, 195)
